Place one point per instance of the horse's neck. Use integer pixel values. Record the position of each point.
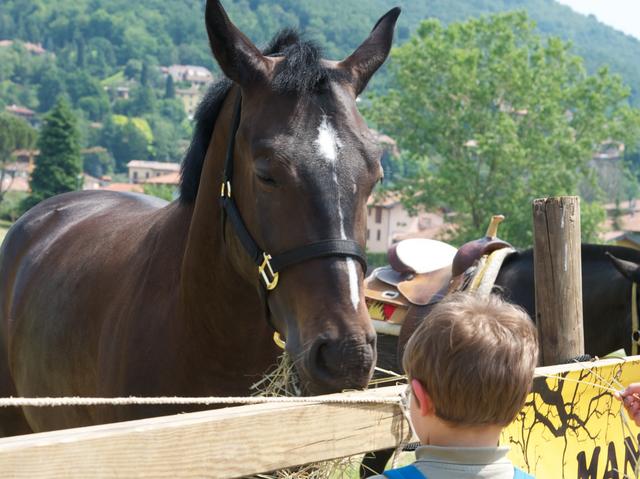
(219, 307)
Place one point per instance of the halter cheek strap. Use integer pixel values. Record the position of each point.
(269, 266)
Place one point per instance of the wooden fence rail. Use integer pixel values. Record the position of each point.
(229, 442)
(246, 440)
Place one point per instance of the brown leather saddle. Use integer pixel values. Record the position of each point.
(422, 272)
(419, 269)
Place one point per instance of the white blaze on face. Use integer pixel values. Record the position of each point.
(328, 145)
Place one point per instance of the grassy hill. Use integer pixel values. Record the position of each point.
(114, 43)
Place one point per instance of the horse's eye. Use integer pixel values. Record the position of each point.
(267, 180)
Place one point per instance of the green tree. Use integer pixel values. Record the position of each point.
(59, 164)
(164, 192)
(169, 89)
(494, 116)
(98, 162)
(143, 101)
(125, 142)
(50, 87)
(15, 133)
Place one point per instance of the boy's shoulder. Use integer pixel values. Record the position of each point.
(406, 472)
(412, 472)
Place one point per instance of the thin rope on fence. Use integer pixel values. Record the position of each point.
(133, 400)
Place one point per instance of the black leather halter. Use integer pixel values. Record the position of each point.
(270, 266)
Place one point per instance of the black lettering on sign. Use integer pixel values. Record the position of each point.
(631, 455)
(590, 472)
(611, 469)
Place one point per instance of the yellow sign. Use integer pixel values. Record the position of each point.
(572, 427)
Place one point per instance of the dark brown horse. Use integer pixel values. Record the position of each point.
(107, 294)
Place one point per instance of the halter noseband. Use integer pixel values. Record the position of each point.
(270, 266)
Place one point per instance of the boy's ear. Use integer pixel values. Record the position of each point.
(422, 398)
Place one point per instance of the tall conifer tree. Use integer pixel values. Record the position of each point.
(59, 165)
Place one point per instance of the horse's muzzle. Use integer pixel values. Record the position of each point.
(335, 364)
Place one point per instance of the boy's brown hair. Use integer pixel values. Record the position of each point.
(476, 358)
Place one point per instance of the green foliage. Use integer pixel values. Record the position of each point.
(58, 168)
(169, 89)
(493, 116)
(126, 140)
(98, 163)
(11, 207)
(375, 260)
(15, 133)
(165, 192)
(116, 43)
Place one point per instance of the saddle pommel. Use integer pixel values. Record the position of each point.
(470, 252)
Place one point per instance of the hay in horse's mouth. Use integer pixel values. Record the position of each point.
(281, 381)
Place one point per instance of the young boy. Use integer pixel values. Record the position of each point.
(470, 366)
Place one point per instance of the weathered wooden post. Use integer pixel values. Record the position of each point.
(558, 278)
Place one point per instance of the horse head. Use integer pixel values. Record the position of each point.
(304, 163)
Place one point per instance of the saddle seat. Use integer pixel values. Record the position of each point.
(423, 271)
(418, 269)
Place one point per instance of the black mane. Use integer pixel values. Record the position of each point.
(300, 71)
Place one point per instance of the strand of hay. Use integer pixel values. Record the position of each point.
(282, 381)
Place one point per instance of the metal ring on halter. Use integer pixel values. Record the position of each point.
(278, 340)
(265, 270)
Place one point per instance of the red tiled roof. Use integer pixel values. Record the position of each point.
(168, 179)
(20, 110)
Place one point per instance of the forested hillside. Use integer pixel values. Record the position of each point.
(95, 46)
(116, 31)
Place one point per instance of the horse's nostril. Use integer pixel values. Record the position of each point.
(343, 363)
(321, 362)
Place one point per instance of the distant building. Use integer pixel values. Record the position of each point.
(25, 156)
(18, 169)
(34, 48)
(622, 225)
(389, 222)
(120, 92)
(15, 184)
(91, 183)
(609, 150)
(190, 99)
(123, 188)
(22, 112)
(196, 75)
(141, 171)
(629, 239)
(170, 179)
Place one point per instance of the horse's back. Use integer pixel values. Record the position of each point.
(70, 246)
(58, 233)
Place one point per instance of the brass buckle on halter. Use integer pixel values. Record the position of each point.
(265, 270)
(225, 190)
(278, 340)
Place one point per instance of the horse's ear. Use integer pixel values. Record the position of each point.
(629, 270)
(370, 56)
(238, 57)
